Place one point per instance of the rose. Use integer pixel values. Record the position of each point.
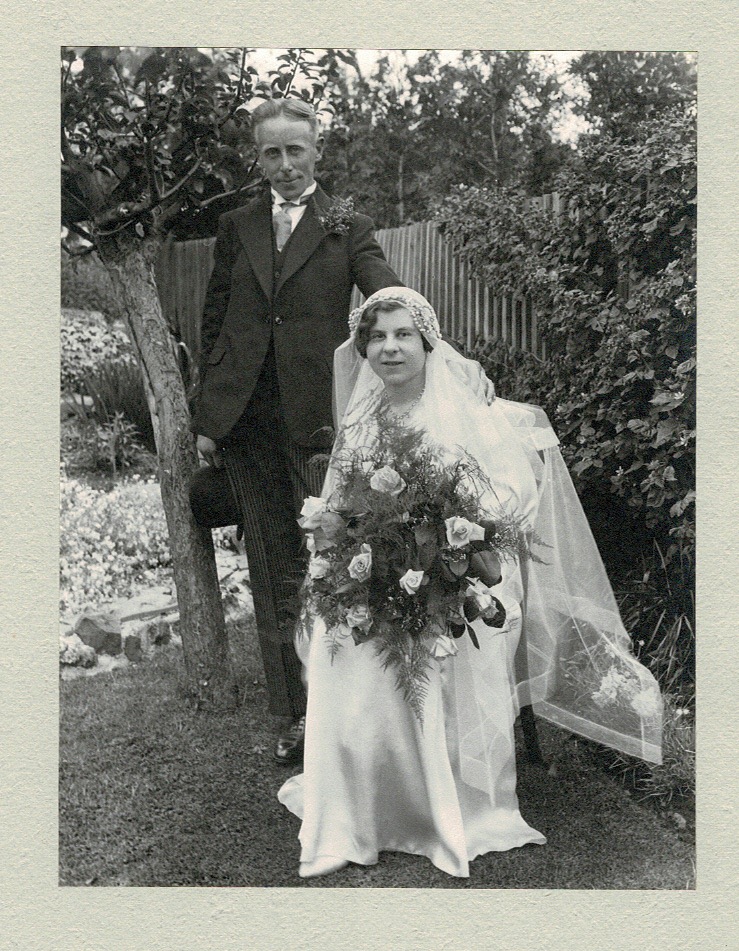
(388, 481)
(360, 567)
(411, 581)
(318, 567)
(311, 512)
(359, 615)
(460, 531)
(444, 646)
(481, 593)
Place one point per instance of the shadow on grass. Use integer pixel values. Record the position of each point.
(153, 794)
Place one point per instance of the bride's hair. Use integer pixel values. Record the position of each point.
(368, 320)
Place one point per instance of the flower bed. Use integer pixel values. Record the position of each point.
(110, 541)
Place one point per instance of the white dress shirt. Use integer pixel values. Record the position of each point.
(295, 213)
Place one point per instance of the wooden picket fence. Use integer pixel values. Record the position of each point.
(467, 308)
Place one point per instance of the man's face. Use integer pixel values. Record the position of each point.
(288, 154)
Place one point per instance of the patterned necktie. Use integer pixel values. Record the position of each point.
(282, 222)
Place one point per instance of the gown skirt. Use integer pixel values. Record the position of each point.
(376, 780)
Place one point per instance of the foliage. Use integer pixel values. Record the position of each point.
(401, 137)
(113, 426)
(613, 281)
(404, 554)
(624, 88)
(109, 540)
(86, 285)
(117, 391)
(153, 139)
(91, 446)
(87, 341)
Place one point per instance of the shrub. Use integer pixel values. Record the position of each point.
(117, 392)
(87, 341)
(86, 285)
(619, 379)
(109, 540)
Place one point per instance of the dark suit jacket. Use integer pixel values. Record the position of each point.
(302, 303)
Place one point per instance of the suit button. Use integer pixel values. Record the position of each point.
(278, 320)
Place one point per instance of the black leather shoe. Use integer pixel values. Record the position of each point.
(290, 745)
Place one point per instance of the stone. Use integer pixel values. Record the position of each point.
(101, 630)
(132, 648)
(156, 633)
(74, 653)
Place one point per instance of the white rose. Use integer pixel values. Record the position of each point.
(481, 593)
(318, 567)
(359, 616)
(444, 646)
(460, 531)
(360, 567)
(387, 480)
(311, 512)
(411, 581)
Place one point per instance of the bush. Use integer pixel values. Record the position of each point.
(86, 285)
(619, 379)
(117, 392)
(87, 341)
(109, 540)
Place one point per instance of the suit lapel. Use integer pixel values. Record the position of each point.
(305, 239)
(255, 231)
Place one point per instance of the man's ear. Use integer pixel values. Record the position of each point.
(320, 142)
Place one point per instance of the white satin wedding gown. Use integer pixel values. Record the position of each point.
(376, 780)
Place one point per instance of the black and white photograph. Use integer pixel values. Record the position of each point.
(377, 467)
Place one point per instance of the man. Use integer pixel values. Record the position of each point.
(274, 314)
(275, 311)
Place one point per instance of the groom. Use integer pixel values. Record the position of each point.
(275, 310)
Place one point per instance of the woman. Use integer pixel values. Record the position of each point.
(377, 777)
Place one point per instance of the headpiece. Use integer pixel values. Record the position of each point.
(423, 314)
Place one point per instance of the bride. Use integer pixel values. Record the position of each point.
(376, 776)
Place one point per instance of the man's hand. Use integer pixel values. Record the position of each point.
(471, 374)
(209, 451)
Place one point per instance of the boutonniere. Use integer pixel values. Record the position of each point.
(339, 217)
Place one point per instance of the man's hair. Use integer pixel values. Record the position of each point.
(297, 110)
(368, 320)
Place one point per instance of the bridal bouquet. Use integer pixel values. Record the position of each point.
(403, 555)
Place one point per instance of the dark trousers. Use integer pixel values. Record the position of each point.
(270, 477)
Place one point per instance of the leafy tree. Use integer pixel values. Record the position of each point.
(403, 137)
(152, 146)
(625, 88)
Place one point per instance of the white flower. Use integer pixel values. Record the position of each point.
(360, 567)
(646, 703)
(318, 567)
(411, 581)
(444, 646)
(460, 531)
(481, 593)
(387, 480)
(311, 512)
(359, 616)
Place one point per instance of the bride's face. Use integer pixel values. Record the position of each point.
(395, 349)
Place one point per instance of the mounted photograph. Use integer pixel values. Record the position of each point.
(378, 409)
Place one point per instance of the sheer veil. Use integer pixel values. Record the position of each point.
(569, 654)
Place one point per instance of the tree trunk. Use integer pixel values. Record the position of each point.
(210, 679)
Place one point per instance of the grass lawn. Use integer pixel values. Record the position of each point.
(152, 794)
